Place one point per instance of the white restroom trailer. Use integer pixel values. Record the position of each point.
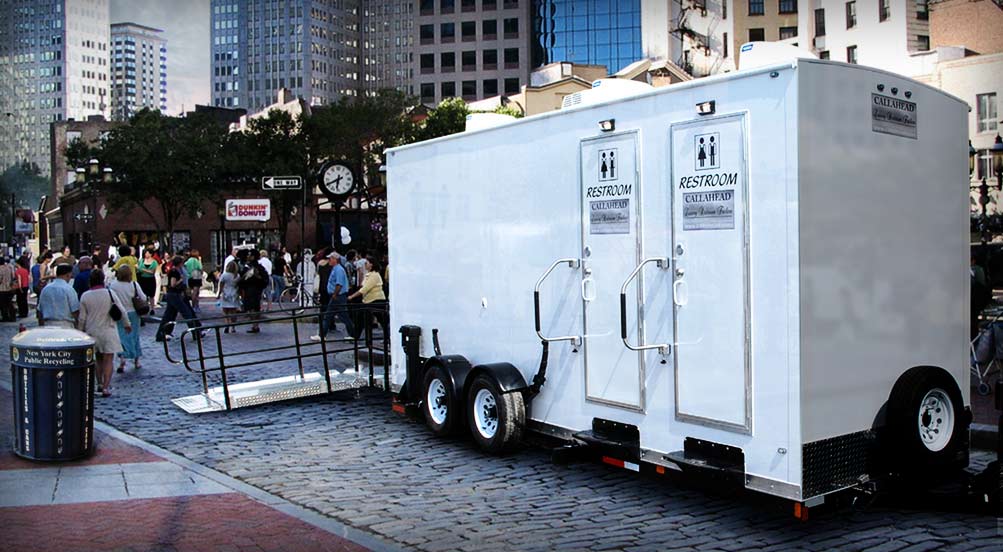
(763, 273)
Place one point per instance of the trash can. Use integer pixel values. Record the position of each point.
(52, 372)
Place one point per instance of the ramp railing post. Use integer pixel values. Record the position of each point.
(323, 353)
(198, 342)
(222, 370)
(299, 352)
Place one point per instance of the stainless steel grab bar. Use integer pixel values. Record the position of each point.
(663, 348)
(575, 340)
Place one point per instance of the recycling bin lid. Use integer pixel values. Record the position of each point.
(52, 348)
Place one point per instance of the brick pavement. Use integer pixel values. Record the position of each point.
(352, 460)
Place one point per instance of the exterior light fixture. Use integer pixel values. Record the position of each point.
(93, 167)
(971, 158)
(106, 175)
(706, 108)
(81, 175)
(608, 125)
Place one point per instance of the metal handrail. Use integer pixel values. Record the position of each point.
(663, 348)
(575, 340)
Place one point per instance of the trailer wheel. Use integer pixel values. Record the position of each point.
(926, 424)
(437, 402)
(496, 419)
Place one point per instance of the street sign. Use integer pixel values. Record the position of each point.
(281, 183)
(84, 217)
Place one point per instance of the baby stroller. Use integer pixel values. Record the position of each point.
(987, 354)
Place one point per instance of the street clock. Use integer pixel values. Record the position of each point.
(337, 180)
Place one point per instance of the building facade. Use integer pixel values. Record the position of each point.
(471, 49)
(593, 32)
(311, 47)
(881, 33)
(53, 67)
(138, 70)
(388, 45)
(763, 20)
(978, 24)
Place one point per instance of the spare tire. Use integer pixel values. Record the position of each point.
(926, 421)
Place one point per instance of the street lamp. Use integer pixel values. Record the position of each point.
(90, 176)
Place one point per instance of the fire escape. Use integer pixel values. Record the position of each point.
(695, 27)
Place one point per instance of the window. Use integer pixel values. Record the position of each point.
(724, 43)
(490, 87)
(851, 15)
(985, 112)
(489, 58)
(427, 92)
(923, 42)
(448, 89)
(426, 34)
(788, 32)
(468, 5)
(510, 4)
(511, 27)
(489, 29)
(511, 58)
(468, 31)
(824, 54)
(884, 10)
(447, 32)
(757, 7)
(512, 86)
(447, 62)
(469, 90)
(427, 63)
(788, 6)
(469, 60)
(923, 10)
(820, 22)
(851, 54)
(757, 35)
(488, 5)
(446, 6)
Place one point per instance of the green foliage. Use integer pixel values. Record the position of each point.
(509, 110)
(449, 117)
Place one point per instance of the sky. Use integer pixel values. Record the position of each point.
(186, 27)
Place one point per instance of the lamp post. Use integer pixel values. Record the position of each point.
(88, 179)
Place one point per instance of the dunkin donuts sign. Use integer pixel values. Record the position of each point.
(248, 209)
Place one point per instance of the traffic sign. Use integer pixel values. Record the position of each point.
(281, 183)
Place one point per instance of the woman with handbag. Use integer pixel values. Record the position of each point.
(194, 268)
(100, 309)
(136, 305)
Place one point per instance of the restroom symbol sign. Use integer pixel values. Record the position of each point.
(707, 151)
(609, 165)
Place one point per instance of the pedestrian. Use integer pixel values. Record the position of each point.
(24, 284)
(40, 273)
(253, 282)
(100, 310)
(195, 275)
(284, 253)
(229, 295)
(147, 277)
(175, 297)
(8, 289)
(64, 257)
(266, 263)
(82, 276)
(351, 270)
(372, 295)
(337, 307)
(58, 304)
(128, 291)
(323, 273)
(280, 269)
(126, 258)
(360, 265)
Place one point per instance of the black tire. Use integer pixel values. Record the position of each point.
(289, 301)
(914, 437)
(440, 417)
(509, 415)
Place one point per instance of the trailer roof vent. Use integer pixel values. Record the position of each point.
(604, 90)
(762, 54)
(479, 121)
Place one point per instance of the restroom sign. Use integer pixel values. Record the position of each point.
(707, 151)
(609, 168)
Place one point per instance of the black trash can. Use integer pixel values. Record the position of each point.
(52, 371)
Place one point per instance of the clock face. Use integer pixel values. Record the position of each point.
(338, 179)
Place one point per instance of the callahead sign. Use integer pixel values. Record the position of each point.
(248, 209)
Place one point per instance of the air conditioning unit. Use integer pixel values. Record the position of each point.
(604, 90)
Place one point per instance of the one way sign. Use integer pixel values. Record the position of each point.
(281, 183)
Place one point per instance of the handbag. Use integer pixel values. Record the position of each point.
(142, 306)
(114, 312)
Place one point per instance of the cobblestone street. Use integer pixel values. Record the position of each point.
(351, 458)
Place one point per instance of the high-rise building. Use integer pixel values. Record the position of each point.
(594, 32)
(388, 45)
(138, 69)
(882, 33)
(53, 67)
(308, 46)
(471, 49)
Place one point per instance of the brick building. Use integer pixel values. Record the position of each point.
(974, 24)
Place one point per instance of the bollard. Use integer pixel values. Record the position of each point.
(52, 371)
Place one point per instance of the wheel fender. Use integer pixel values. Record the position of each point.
(457, 370)
(509, 377)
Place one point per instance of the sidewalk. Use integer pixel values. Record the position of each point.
(132, 496)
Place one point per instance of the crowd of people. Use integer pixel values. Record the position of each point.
(106, 292)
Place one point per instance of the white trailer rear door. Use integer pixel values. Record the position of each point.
(710, 292)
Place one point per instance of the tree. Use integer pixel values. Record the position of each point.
(164, 166)
(25, 181)
(449, 117)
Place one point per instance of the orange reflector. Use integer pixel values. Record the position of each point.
(621, 463)
(398, 408)
(660, 470)
(800, 511)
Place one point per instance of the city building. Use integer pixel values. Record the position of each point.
(593, 32)
(978, 24)
(764, 20)
(472, 49)
(882, 33)
(53, 67)
(388, 45)
(259, 46)
(138, 70)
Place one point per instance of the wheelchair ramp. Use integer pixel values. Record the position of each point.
(274, 390)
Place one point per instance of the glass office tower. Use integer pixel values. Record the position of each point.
(598, 32)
